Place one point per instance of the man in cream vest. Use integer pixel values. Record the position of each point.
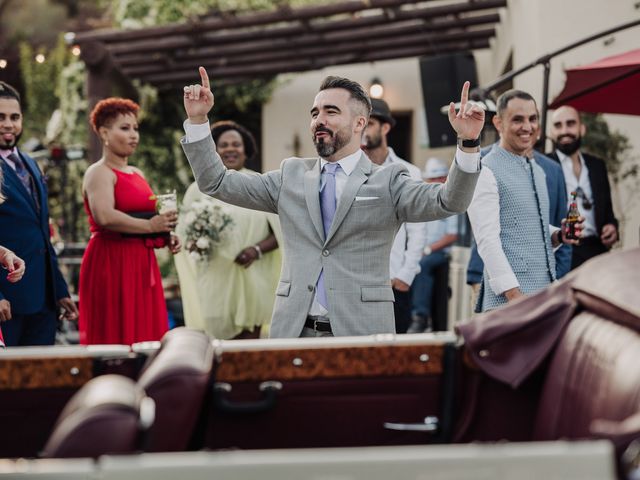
(509, 214)
(339, 212)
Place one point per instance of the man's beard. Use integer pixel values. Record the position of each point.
(327, 147)
(568, 148)
(9, 146)
(372, 141)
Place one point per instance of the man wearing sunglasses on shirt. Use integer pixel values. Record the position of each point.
(587, 176)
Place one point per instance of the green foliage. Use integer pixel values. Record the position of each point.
(69, 130)
(40, 83)
(55, 110)
(612, 146)
(74, 128)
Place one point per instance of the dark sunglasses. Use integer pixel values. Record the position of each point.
(586, 203)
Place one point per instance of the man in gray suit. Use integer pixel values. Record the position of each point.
(339, 212)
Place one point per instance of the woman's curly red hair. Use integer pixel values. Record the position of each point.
(108, 109)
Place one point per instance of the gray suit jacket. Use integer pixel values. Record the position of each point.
(355, 254)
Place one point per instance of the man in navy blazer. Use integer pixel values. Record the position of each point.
(557, 211)
(24, 228)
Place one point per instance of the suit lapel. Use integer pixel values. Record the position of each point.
(596, 190)
(11, 177)
(312, 196)
(355, 180)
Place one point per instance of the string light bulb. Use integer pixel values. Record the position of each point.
(40, 58)
(3, 63)
(376, 90)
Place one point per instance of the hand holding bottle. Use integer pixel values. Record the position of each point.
(572, 226)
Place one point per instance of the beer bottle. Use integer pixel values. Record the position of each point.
(572, 219)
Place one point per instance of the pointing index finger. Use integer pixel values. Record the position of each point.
(204, 77)
(464, 96)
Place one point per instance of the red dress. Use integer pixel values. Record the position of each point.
(121, 295)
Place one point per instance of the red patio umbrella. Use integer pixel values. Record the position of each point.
(610, 85)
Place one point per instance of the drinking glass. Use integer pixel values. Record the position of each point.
(167, 202)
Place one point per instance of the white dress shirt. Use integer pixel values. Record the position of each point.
(484, 215)
(589, 225)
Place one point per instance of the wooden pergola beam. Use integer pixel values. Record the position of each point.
(273, 51)
(304, 64)
(249, 44)
(177, 39)
(349, 34)
(229, 20)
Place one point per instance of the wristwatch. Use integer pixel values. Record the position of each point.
(468, 143)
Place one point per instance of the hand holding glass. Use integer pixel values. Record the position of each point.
(167, 203)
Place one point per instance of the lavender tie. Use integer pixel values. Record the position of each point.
(328, 208)
(22, 172)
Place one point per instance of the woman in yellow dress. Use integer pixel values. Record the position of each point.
(231, 294)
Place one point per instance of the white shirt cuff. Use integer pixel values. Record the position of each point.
(468, 162)
(501, 284)
(194, 133)
(407, 276)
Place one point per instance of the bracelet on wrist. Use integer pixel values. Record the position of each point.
(257, 249)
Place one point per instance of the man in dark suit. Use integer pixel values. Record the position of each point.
(24, 228)
(587, 176)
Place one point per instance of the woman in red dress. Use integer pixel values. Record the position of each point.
(121, 296)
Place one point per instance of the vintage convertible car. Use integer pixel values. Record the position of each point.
(546, 387)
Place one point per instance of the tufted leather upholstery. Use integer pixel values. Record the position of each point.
(103, 417)
(593, 383)
(593, 376)
(583, 336)
(177, 378)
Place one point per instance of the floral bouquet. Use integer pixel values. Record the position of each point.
(205, 226)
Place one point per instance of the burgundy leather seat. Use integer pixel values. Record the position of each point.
(593, 378)
(585, 333)
(106, 416)
(177, 379)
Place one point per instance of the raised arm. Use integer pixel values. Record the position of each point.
(258, 192)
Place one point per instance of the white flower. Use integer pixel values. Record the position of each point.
(195, 256)
(202, 243)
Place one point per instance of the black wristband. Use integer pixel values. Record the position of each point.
(469, 143)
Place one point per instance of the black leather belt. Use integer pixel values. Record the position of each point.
(318, 323)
